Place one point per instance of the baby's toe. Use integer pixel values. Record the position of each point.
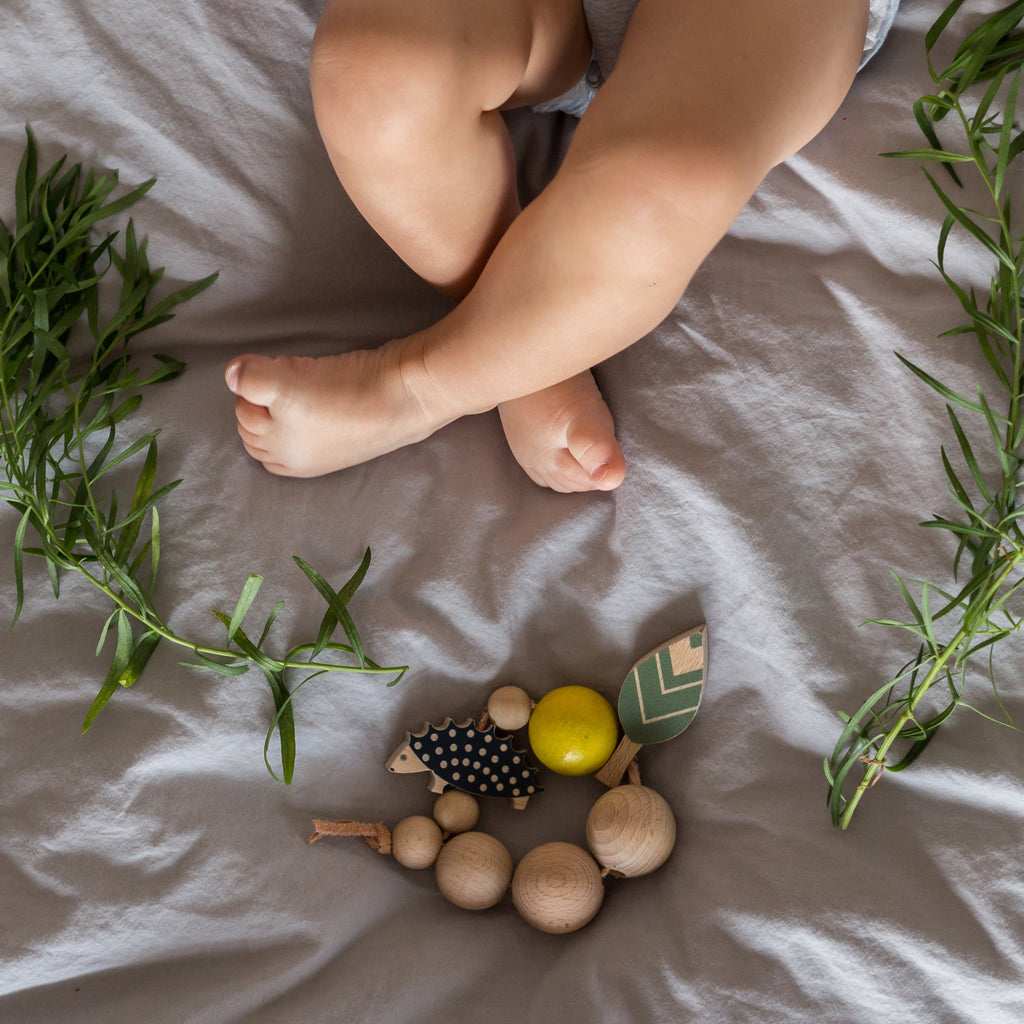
(253, 419)
(257, 379)
(566, 475)
(255, 444)
(602, 466)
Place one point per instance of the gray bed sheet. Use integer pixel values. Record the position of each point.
(779, 460)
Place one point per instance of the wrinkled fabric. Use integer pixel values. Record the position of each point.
(780, 458)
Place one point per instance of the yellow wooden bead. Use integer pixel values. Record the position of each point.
(573, 730)
(557, 888)
(416, 841)
(631, 830)
(509, 708)
(456, 811)
(473, 870)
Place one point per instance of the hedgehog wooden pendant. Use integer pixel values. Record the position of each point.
(478, 761)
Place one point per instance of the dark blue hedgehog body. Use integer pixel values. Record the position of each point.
(478, 761)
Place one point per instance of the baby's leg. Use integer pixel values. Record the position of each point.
(407, 96)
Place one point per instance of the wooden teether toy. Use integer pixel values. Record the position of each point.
(630, 831)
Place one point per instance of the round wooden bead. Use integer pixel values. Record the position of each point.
(473, 870)
(631, 830)
(557, 888)
(416, 841)
(509, 708)
(456, 811)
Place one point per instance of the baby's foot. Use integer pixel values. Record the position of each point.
(564, 437)
(304, 417)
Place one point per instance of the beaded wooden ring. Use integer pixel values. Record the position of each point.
(556, 887)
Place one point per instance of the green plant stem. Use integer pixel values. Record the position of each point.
(1008, 493)
(875, 765)
(951, 650)
(990, 529)
(52, 415)
(154, 624)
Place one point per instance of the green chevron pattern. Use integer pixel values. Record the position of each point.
(655, 702)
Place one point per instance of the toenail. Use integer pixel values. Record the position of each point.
(600, 473)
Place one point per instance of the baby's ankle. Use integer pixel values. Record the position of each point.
(434, 405)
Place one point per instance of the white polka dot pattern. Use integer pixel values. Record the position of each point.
(478, 761)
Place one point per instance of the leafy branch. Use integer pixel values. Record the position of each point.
(978, 92)
(67, 384)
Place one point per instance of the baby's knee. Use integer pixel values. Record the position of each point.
(377, 87)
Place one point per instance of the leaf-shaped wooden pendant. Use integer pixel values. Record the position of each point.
(659, 698)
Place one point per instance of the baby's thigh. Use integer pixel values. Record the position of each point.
(493, 52)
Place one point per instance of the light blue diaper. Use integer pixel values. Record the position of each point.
(609, 19)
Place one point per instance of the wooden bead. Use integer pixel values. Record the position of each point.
(557, 888)
(509, 708)
(416, 841)
(631, 830)
(473, 870)
(456, 811)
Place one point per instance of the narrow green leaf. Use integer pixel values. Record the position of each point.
(936, 155)
(136, 516)
(854, 729)
(926, 620)
(129, 268)
(929, 730)
(125, 642)
(154, 546)
(1006, 136)
(169, 369)
(136, 446)
(968, 454)
(141, 558)
(142, 651)
(19, 577)
(335, 602)
(924, 122)
(285, 721)
(182, 295)
(231, 668)
(271, 618)
(990, 94)
(107, 690)
(104, 631)
(961, 217)
(996, 424)
(942, 389)
(959, 491)
(123, 202)
(25, 180)
(52, 572)
(129, 530)
(939, 26)
(960, 529)
(261, 660)
(330, 621)
(972, 57)
(904, 590)
(129, 588)
(249, 591)
(125, 409)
